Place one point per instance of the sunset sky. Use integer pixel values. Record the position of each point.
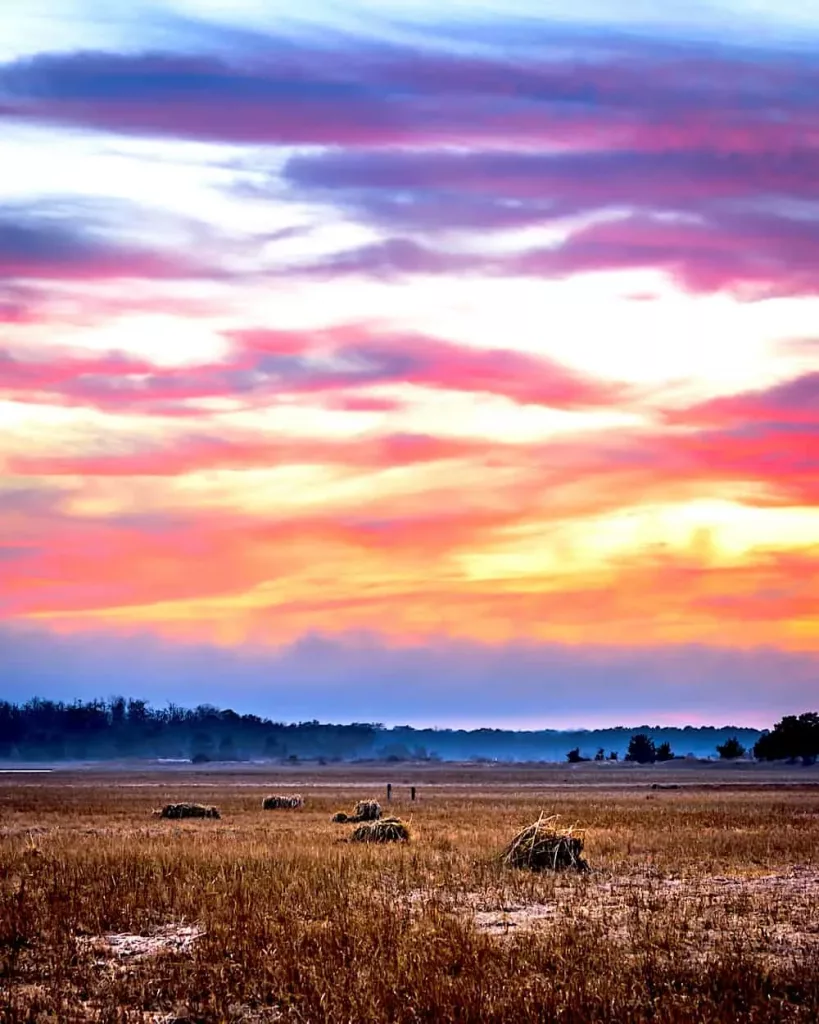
(440, 363)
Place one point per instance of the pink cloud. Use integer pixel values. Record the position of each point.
(755, 256)
(363, 403)
(266, 364)
(46, 247)
(193, 453)
(792, 403)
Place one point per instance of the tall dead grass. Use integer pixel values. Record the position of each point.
(298, 927)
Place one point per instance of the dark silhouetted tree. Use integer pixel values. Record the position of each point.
(791, 738)
(664, 752)
(731, 749)
(641, 749)
(117, 710)
(574, 757)
(600, 755)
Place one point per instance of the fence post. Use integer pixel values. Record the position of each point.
(389, 792)
(412, 793)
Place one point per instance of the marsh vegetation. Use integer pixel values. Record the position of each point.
(700, 905)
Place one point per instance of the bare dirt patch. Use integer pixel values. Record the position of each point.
(772, 915)
(237, 1014)
(132, 947)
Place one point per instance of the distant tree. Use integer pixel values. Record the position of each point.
(200, 758)
(227, 749)
(396, 752)
(791, 738)
(600, 755)
(731, 749)
(614, 756)
(664, 752)
(272, 747)
(117, 709)
(641, 749)
(137, 712)
(574, 756)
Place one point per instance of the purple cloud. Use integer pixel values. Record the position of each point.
(561, 87)
(544, 685)
(753, 255)
(69, 245)
(420, 138)
(434, 189)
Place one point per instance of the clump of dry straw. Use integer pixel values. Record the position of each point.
(545, 846)
(364, 810)
(385, 830)
(188, 811)
(277, 802)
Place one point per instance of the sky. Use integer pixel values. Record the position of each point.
(445, 364)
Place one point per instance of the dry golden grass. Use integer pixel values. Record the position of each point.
(700, 905)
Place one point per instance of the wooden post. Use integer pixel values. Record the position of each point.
(412, 793)
(389, 792)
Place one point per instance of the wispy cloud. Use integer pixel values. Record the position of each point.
(264, 365)
(341, 90)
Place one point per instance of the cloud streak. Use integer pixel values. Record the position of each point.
(264, 365)
(348, 91)
(35, 245)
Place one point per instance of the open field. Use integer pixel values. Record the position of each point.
(700, 906)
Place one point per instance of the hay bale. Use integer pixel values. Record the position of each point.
(188, 811)
(544, 846)
(367, 810)
(364, 810)
(383, 830)
(277, 802)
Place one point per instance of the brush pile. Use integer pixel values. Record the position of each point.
(188, 811)
(385, 830)
(277, 802)
(544, 846)
(364, 810)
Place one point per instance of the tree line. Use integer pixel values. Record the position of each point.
(120, 727)
(794, 738)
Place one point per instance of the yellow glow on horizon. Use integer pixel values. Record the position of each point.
(715, 531)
